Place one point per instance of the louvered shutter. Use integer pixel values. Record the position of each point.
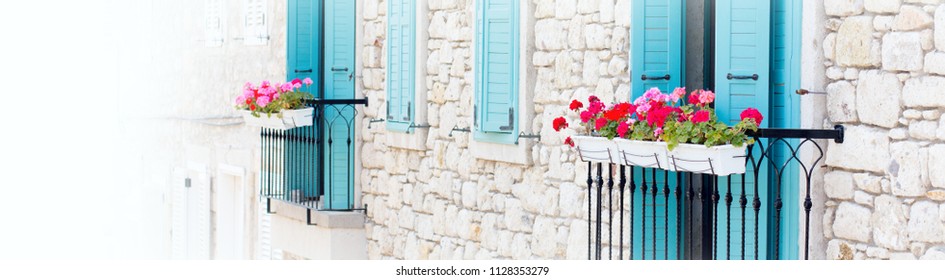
(657, 53)
(497, 52)
(255, 23)
(657, 45)
(339, 63)
(303, 41)
(263, 227)
(179, 215)
(199, 215)
(213, 23)
(742, 51)
(400, 64)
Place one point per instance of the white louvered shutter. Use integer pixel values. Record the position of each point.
(179, 215)
(255, 23)
(202, 194)
(264, 243)
(213, 23)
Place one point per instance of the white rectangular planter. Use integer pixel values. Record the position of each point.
(597, 149)
(717, 160)
(648, 154)
(290, 119)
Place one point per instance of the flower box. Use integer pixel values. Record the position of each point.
(597, 149)
(648, 154)
(716, 160)
(289, 119)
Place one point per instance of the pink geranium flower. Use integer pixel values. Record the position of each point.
(586, 116)
(307, 81)
(677, 93)
(706, 97)
(262, 101)
(287, 87)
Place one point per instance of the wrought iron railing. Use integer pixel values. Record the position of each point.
(313, 166)
(682, 215)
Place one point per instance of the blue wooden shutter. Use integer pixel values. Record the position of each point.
(303, 40)
(742, 50)
(303, 61)
(657, 50)
(785, 79)
(339, 120)
(401, 64)
(657, 45)
(497, 69)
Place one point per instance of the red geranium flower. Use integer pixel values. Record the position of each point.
(622, 129)
(700, 117)
(600, 123)
(694, 97)
(753, 114)
(559, 123)
(658, 116)
(614, 114)
(569, 141)
(625, 108)
(593, 99)
(575, 105)
(595, 107)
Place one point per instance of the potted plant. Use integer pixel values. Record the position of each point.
(698, 142)
(657, 131)
(595, 143)
(278, 106)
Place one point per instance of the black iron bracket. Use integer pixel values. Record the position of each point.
(414, 125)
(806, 92)
(457, 128)
(372, 121)
(269, 206)
(313, 102)
(308, 217)
(531, 136)
(836, 134)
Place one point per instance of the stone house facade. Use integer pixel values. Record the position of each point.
(442, 193)
(885, 187)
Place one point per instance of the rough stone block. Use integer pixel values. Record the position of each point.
(877, 98)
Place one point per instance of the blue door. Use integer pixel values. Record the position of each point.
(742, 80)
(657, 58)
(338, 126)
(303, 61)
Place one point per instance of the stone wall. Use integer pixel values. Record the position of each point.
(440, 201)
(886, 189)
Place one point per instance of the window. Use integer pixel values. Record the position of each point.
(497, 60)
(213, 23)
(255, 23)
(401, 69)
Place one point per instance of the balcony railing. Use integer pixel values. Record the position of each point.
(680, 215)
(313, 166)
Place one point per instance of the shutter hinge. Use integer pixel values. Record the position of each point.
(407, 115)
(511, 121)
(475, 116)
